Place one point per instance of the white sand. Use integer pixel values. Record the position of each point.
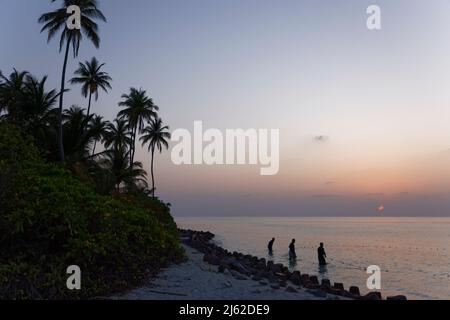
(197, 280)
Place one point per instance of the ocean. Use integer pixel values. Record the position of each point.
(413, 253)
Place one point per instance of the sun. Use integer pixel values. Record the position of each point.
(381, 208)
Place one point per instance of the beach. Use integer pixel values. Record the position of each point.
(196, 279)
(210, 272)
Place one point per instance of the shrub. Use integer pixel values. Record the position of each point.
(50, 220)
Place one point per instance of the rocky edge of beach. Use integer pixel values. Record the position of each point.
(213, 273)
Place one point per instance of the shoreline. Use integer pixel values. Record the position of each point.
(212, 273)
(198, 280)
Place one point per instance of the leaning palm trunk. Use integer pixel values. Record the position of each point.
(133, 150)
(89, 105)
(132, 145)
(61, 103)
(153, 176)
(95, 146)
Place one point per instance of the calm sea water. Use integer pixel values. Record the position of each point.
(413, 253)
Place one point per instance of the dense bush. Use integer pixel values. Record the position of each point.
(49, 220)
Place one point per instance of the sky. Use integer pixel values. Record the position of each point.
(364, 116)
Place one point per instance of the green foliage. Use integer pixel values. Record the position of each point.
(50, 220)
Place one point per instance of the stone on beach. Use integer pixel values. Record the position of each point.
(245, 267)
(296, 278)
(339, 286)
(326, 283)
(314, 280)
(355, 291)
(305, 279)
(397, 298)
(373, 296)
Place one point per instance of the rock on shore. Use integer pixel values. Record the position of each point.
(259, 269)
(199, 280)
(213, 273)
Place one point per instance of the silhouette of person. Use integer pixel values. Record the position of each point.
(322, 255)
(292, 264)
(270, 245)
(292, 254)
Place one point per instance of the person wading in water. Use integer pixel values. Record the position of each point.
(292, 253)
(322, 255)
(270, 245)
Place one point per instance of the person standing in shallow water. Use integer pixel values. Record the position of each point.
(322, 255)
(270, 245)
(292, 253)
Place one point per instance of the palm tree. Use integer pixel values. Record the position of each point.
(77, 138)
(117, 135)
(90, 76)
(25, 101)
(11, 89)
(115, 161)
(139, 108)
(37, 102)
(156, 136)
(36, 113)
(99, 129)
(54, 22)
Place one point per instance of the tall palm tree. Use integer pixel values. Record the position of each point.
(156, 136)
(90, 76)
(57, 20)
(139, 109)
(99, 129)
(117, 135)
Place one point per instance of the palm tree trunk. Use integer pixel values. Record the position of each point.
(153, 176)
(134, 142)
(95, 145)
(61, 103)
(133, 147)
(89, 105)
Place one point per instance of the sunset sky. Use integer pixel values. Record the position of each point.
(378, 100)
